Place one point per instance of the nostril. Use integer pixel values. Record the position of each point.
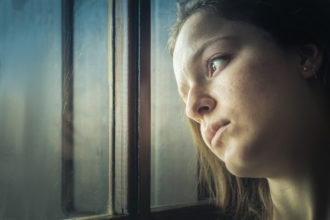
(203, 109)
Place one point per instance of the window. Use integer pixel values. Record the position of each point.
(87, 96)
(54, 109)
(173, 160)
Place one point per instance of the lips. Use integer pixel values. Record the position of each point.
(214, 131)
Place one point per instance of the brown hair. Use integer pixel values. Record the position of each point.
(290, 23)
(239, 198)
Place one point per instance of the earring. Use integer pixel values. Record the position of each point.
(314, 72)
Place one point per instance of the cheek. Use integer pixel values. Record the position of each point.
(249, 93)
(260, 103)
(260, 87)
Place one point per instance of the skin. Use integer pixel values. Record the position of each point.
(233, 71)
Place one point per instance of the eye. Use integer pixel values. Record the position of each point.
(216, 64)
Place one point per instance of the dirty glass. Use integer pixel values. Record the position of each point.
(31, 109)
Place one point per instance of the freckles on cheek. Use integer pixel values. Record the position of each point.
(252, 83)
(256, 78)
(248, 94)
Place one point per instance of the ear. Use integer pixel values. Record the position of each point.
(311, 59)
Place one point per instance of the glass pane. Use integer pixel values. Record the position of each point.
(31, 109)
(91, 106)
(173, 158)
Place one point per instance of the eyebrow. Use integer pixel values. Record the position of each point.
(197, 54)
(207, 44)
(202, 48)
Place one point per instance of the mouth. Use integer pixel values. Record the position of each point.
(214, 133)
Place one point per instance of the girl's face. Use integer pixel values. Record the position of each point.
(247, 93)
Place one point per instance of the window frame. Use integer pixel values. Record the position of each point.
(67, 108)
(67, 135)
(138, 37)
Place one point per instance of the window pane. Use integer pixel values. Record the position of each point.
(91, 106)
(173, 160)
(31, 110)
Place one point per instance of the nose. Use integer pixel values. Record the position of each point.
(199, 103)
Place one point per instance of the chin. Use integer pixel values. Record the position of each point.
(239, 171)
(243, 164)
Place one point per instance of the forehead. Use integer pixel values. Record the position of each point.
(201, 24)
(204, 27)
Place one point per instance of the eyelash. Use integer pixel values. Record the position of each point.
(224, 58)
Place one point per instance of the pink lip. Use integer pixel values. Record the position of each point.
(213, 133)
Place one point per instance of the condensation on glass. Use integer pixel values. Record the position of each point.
(173, 154)
(30, 109)
(91, 105)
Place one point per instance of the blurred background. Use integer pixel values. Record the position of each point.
(32, 111)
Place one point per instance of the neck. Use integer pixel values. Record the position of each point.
(290, 195)
(304, 195)
(300, 188)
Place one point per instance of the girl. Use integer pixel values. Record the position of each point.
(253, 75)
